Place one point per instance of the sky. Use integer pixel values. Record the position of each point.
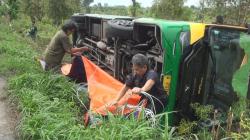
(144, 3)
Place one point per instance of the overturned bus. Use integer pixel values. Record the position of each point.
(196, 62)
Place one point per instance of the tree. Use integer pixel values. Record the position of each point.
(135, 9)
(60, 10)
(57, 11)
(85, 4)
(237, 11)
(74, 6)
(106, 5)
(33, 8)
(168, 9)
(233, 11)
(110, 10)
(13, 9)
(3, 8)
(99, 5)
(202, 10)
(187, 14)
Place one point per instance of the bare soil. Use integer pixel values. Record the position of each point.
(8, 115)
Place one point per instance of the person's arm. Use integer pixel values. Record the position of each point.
(147, 86)
(67, 46)
(124, 89)
(81, 49)
(152, 77)
(120, 95)
(77, 51)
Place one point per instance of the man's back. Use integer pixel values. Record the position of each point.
(56, 49)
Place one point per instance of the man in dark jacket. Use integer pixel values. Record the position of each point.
(33, 31)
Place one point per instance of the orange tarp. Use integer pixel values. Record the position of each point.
(103, 89)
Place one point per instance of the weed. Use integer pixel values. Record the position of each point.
(202, 111)
(186, 127)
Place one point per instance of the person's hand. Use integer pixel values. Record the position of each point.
(136, 90)
(85, 49)
(77, 53)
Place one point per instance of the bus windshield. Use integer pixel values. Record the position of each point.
(230, 50)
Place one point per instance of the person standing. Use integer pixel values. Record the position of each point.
(33, 31)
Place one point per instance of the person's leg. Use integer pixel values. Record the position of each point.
(77, 71)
